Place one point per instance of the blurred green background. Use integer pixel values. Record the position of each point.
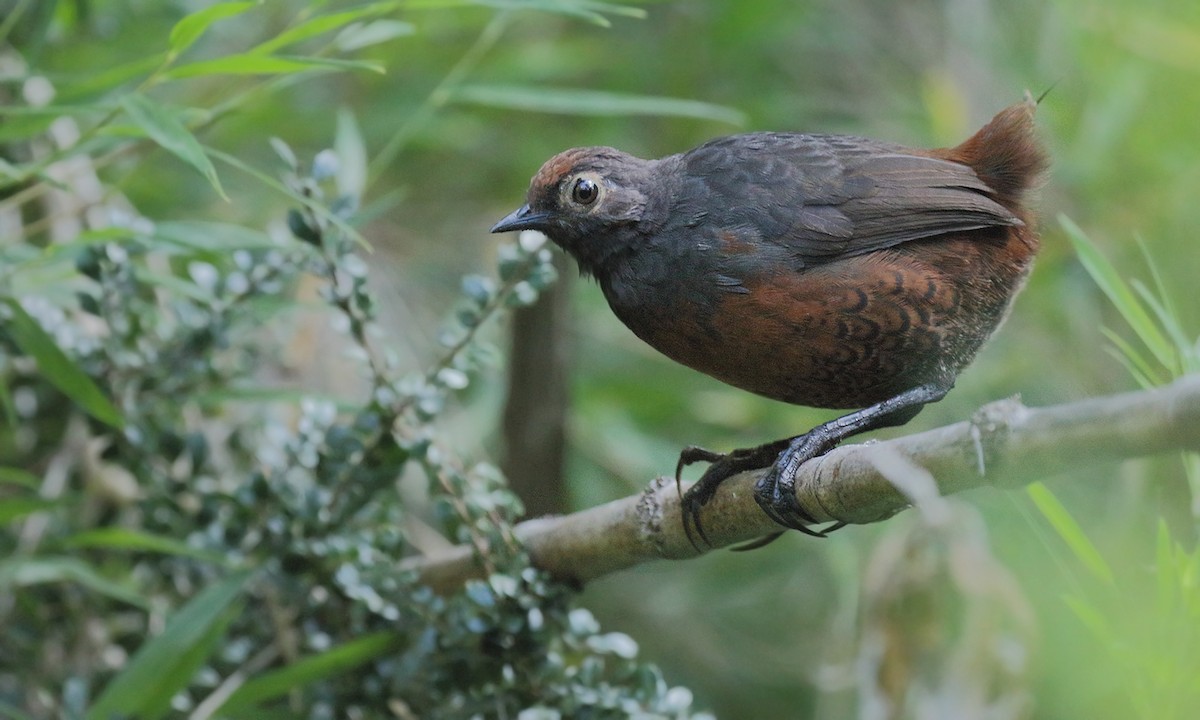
(769, 633)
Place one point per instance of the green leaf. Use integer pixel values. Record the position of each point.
(211, 237)
(588, 10)
(272, 182)
(1069, 531)
(7, 406)
(357, 37)
(18, 507)
(1168, 320)
(164, 664)
(352, 155)
(309, 670)
(1135, 363)
(161, 126)
(116, 538)
(568, 101)
(101, 79)
(188, 30)
(322, 24)
(1109, 280)
(251, 64)
(58, 369)
(17, 476)
(27, 571)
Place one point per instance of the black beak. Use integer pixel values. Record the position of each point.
(522, 219)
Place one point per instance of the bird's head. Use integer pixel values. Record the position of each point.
(589, 201)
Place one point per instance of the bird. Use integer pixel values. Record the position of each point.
(822, 270)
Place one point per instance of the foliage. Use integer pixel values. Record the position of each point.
(1146, 621)
(162, 347)
(196, 544)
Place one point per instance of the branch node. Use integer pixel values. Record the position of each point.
(990, 426)
(649, 512)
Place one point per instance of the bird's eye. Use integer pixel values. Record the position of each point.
(585, 191)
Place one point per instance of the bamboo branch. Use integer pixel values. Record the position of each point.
(1004, 445)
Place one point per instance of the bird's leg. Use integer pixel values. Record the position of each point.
(776, 491)
(722, 467)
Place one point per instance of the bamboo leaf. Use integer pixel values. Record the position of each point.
(1109, 280)
(321, 25)
(116, 538)
(17, 476)
(357, 37)
(188, 30)
(275, 184)
(1069, 531)
(211, 237)
(58, 369)
(163, 127)
(352, 155)
(252, 64)
(569, 101)
(1138, 366)
(1167, 319)
(15, 508)
(309, 670)
(21, 572)
(158, 667)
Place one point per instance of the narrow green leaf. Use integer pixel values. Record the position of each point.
(17, 476)
(175, 285)
(352, 155)
(21, 572)
(16, 508)
(1110, 283)
(250, 64)
(310, 669)
(1138, 366)
(211, 237)
(357, 37)
(590, 11)
(1160, 285)
(161, 126)
(6, 404)
(157, 664)
(58, 369)
(568, 101)
(92, 83)
(272, 182)
(155, 701)
(1166, 319)
(1069, 531)
(321, 25)
(116, 538)
(190, 28)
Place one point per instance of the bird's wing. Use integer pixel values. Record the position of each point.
(828, 196)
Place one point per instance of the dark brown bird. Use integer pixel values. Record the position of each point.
(821, 270)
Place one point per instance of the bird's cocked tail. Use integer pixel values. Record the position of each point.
(1006, 153)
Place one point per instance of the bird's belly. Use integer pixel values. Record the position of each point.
(844, 335)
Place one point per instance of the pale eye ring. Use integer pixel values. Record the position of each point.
(585, 191)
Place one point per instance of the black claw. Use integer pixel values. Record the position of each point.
(762, 542)
(776, 491)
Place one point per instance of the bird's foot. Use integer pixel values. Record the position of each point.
(775, 492)
(722, 467)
